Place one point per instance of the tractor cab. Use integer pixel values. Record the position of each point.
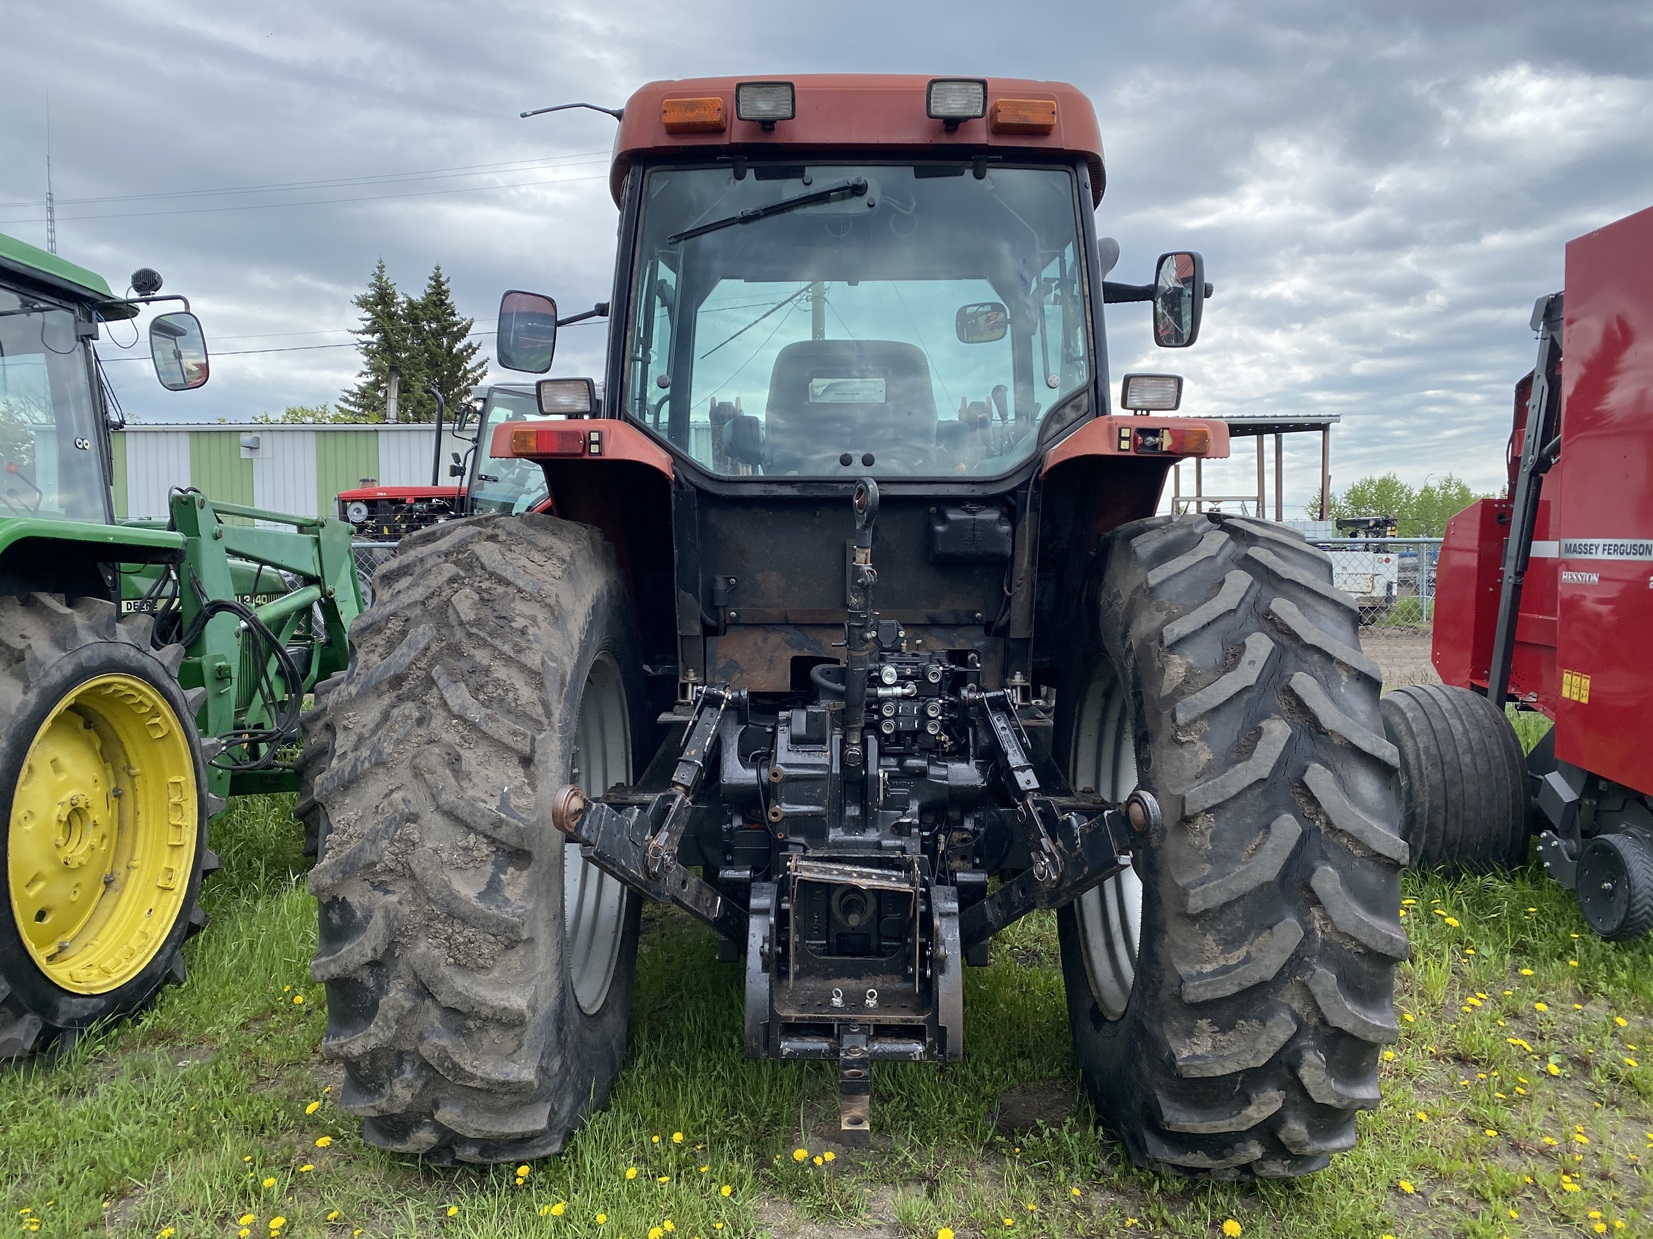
(55, 412)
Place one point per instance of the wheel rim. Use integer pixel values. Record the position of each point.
(101, 841)
(1603, 887)
(594, 904)
(1109, 914)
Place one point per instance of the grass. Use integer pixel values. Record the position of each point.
(1518, 1102)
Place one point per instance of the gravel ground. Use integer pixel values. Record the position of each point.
(1403, 655)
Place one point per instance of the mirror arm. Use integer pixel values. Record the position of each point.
(1113, 292)
(126, 301)
(600, 310)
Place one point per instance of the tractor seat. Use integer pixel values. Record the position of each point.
(828, 397)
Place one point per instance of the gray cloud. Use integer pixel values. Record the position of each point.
(1380, 190)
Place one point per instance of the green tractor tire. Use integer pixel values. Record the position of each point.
(104, 794)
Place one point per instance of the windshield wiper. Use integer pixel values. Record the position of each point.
(854, 187)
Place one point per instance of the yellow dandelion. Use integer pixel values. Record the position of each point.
(1601, 1228)
(1540, 1006)
(323, 1141)
(1231, 1228)
(1570, 1186)
(246, 1219)
(1009, 1222)
(800, 1155)
(1423, 1117)
(1552, 1069)
(655, 1139)
(306, 1168)
(1073, 1191)
(1405, 1185)
(524, 1171)
(1407, 1016)
(298, 1000)
(1032, 1208)
(677, 1137)
(1632, 1062)
(665, 1178)
(453, 1210)
(830, 1156)
(243, 1232)
(270, 1182)
(558, 1209)
(312, 1107)
(946, 1232)
(1550, 1140)
(656, 1233)
(669, 1225)
(276, 1223)
(1580, 1138)
(1491, 1131)
(602, 1219)
(631, 1172)
(1514, 1216)
(1621, 1021)
(726, 1190)
(704, 1169)
(166, 1232)
(545, 1210)
(1452, 921)
(1526, 972)
(818, 1161)
(1593, 1214)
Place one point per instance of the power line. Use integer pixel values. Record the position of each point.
(476, 169)
(270, 206)
(305, 348)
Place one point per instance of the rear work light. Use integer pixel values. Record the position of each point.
(954, 100)
(566, 397)
(1023, 116)
(693, 115)
(765, 102)
(1151, 393)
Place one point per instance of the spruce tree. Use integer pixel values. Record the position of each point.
(385, 339)
(447, 358)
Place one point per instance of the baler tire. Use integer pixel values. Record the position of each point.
(57, 658)
(473, 1024)
(1241, 1034)
(1463, 779)
(1618, 866)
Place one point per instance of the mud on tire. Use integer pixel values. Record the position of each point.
(475, 1022)
(1228, 998)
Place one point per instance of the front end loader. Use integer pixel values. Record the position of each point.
(847, 627)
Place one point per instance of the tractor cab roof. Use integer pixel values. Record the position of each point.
(856, 115)
(58, 276)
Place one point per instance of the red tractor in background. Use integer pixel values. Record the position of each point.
(1540, 596)
(490, 482)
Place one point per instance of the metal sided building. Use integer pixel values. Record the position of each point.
(284, 468)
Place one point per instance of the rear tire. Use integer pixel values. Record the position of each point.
(1463, 779)
(478, 971)
(103, 791)
(1228, 1000)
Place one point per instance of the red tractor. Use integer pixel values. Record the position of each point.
(1539, 594)
(848, 629)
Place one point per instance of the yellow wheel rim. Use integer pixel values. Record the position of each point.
(102, 837)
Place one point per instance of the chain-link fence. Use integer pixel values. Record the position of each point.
(1393, 582)
(370, 556)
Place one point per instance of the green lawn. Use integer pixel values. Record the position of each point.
(1517, 1103)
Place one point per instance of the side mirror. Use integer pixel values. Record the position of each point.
(179, 351)
(982, 323)
(1179, 296)
(527, 332)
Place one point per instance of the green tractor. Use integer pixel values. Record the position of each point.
(148, 669)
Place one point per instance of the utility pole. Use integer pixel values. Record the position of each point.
(817, 311)
(51, 204)
(393, 388)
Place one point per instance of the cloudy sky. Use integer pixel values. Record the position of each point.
(1380, 189)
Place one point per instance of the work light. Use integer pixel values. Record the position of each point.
(1151, 393)
(953, 100)
(765, 102)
